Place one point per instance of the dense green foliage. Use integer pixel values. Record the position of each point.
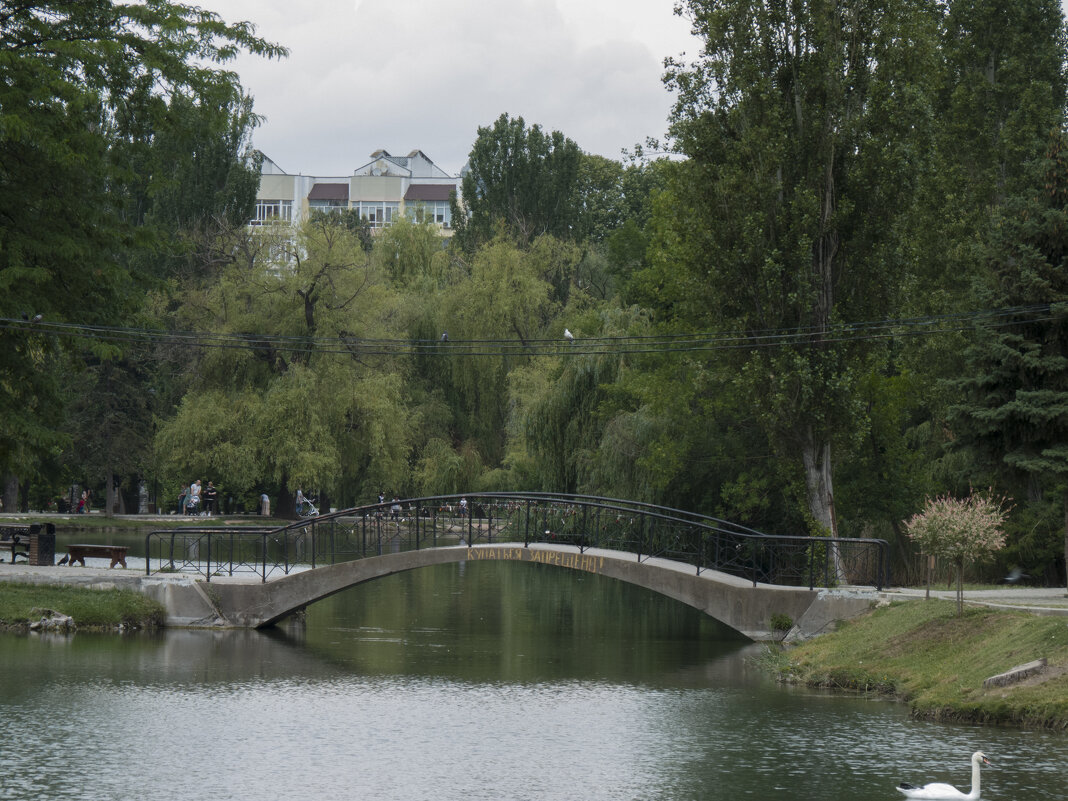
(522, 178)
(1014, 405)
(736, 312)
(118, 132)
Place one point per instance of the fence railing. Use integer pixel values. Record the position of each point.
(643, 530)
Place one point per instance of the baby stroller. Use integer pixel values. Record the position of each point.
(307, 509)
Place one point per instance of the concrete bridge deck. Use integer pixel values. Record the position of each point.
(246, 602)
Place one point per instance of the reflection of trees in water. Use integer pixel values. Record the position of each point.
(507, 621)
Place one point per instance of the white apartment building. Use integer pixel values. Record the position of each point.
(380, 190)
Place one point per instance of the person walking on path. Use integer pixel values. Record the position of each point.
(210, 496)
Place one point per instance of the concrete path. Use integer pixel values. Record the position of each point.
(1037, 600)
(96, 574)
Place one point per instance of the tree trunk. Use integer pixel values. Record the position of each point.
(287, 506)
(1066, 538)
(960, 589)
(817, 460)
(816, 456)
(109, 494)
(11, 493)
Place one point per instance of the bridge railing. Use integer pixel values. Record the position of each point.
(215, 550)
(642, 530)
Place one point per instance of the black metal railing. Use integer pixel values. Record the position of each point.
(582, 521)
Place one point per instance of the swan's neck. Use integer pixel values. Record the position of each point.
(974, 793)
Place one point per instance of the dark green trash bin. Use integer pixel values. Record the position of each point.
(42, 544)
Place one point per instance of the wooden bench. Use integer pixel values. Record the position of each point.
(116, 553)
(15, 539)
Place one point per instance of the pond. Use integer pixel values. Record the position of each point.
(475, 681)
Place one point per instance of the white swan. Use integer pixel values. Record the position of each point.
(937, 790)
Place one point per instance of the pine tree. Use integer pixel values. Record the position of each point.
(1016, 387)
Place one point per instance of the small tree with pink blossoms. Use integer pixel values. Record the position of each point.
(960, 530)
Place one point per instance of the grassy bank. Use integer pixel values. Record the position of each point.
(20, 604)
(922, 653)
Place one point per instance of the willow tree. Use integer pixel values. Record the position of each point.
(804, 129)
(575, 427)
(296, 397)
(507, 298)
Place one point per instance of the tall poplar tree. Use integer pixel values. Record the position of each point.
(1002, 89)
(805, 126)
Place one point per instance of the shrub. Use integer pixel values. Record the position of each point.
(960, 530)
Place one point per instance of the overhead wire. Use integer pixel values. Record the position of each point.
(801, 336)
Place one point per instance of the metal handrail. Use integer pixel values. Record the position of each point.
(584, 521)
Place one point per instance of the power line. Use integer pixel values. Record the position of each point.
(802, 336)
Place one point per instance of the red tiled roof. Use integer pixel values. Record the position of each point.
(429, 192)
(329, 192)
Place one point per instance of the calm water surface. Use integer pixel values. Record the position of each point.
(487, 681)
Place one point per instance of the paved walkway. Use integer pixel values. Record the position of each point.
(98, 574)
(1038, 600)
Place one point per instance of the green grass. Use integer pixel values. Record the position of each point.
(921, 652)
(89, 608)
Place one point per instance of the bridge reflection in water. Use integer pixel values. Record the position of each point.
(643, 531)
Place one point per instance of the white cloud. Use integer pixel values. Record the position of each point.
(406, 74)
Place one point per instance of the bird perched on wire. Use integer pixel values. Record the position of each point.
(569, 336)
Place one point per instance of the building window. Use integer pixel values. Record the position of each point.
(272, 211)
(327, 205)
(379, 214)
(432, 211)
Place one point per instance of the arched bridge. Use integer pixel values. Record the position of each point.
(750, 581)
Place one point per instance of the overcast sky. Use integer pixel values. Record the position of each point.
(425, 74)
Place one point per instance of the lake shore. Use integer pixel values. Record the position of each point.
(920, 652)
(50, 607)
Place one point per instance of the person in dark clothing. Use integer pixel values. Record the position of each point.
(210, 496)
